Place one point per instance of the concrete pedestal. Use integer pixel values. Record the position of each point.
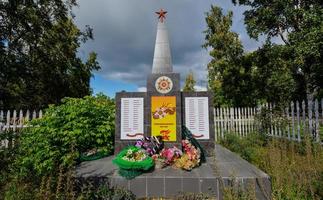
(211, 177)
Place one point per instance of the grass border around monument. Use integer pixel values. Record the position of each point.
(296, 169)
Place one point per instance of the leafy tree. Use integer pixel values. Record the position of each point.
(271, 74)
(299, 24)
(189, 83)
(227, 78)
(38, 47)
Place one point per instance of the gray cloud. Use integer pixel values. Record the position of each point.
(125, 31)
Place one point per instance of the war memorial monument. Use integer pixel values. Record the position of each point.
(163, 111)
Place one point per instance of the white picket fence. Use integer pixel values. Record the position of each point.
(298, 119)
(239, 120)
(13, 120)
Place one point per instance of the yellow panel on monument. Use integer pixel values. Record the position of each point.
(163, 118)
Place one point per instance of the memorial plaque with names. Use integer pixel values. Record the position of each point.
(132, 118)
(197, 116)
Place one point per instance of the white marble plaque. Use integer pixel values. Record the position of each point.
(132, 118)
(197, 116)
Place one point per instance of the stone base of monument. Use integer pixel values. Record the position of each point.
(211, 177)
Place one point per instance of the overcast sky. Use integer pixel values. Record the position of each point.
(124, 38)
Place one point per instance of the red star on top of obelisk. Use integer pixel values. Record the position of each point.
(161, 15)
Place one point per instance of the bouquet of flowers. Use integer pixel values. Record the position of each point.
(190, 158)
(192, 152)
(152, 145)
(170, 155)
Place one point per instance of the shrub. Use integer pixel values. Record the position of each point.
(65, 131)
(8, 154)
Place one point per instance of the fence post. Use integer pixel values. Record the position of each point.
(310, 115)
(275, 122)
(2, 124)
(288, 120)
(304, 117)
(317, 124)
(245, 123)
(221, 123)
(293, 120)
(40, 114)
(239, 121)
(1, 120)
(253, 119)
(27, 115)
(271, 119)
(244, 131)
(280, 127)
(228, 119)
(249, 124)
(224, 120)
(231, 119)
(218, 122)
(21, 119)
(298, 122)
(34, 114)
(215, 123)
(14, 119)
(8, 120)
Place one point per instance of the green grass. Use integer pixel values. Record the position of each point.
(296, 168)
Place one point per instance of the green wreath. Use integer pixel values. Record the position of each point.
(131, 169)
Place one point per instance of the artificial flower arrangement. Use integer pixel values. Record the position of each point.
(171, 154)
(190, 158)
(150, 151)
(186, 160)
(152, 145)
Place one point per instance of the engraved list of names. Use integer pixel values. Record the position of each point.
(197, 116)
(132, 118)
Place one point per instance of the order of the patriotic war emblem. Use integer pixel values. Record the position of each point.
(164, 84)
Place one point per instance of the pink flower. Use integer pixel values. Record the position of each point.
(171, 154)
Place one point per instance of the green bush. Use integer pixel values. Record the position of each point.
(65, 131)
(7, 156)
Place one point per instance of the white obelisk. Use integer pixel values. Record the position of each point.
(162, 62)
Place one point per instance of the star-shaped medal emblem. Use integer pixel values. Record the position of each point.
(161, 15)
